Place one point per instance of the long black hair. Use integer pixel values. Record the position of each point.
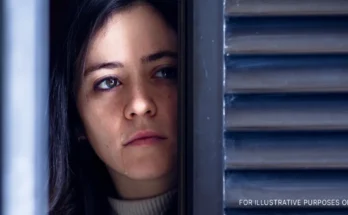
(79, 182)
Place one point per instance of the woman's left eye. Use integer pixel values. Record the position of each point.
(169, 73)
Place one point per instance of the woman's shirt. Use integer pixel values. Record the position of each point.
(160, 205)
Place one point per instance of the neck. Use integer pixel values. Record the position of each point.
(132, 189)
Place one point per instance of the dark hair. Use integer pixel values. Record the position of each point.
(79, 183)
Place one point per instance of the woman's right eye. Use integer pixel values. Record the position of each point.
(107, 83)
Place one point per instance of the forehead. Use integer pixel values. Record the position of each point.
(130, 35)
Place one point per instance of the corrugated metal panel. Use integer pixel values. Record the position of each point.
(286, 107)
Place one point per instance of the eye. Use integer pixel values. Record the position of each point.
(107, 83)
(169, 73)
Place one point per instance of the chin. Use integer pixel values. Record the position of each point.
(146, 163)
(150, 169)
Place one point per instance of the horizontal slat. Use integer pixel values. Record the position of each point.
(288, 42)
(287, 211)
(287, 35)
(292, 80)
(287, 151)
(287, 118)
(286, 24)
(263, 113)
(279, 74)
(297, 185)
(285, 7)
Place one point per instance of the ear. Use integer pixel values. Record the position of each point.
(81, 138)
(80, 133)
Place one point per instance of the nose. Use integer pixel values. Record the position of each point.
(141, 104)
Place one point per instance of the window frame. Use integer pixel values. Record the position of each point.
(201, 108)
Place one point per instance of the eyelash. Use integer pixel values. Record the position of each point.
(110, 78)
(171, 69)
(172, 75)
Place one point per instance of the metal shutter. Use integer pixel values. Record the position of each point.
(286, 104)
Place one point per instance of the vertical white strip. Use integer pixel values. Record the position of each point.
(25, 95)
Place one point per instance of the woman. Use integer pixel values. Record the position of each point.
(113, 105)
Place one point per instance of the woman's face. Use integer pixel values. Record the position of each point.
(128, 95)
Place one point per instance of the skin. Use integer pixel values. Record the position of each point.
(124, 91)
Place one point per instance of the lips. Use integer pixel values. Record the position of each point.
(144, 137)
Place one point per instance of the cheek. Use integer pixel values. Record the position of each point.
(170, 104)
(104, 125)
(170, 107)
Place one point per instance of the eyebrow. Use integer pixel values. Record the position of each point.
(147, 59)
(159, 55)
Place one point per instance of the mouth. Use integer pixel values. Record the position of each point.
(145, 138)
